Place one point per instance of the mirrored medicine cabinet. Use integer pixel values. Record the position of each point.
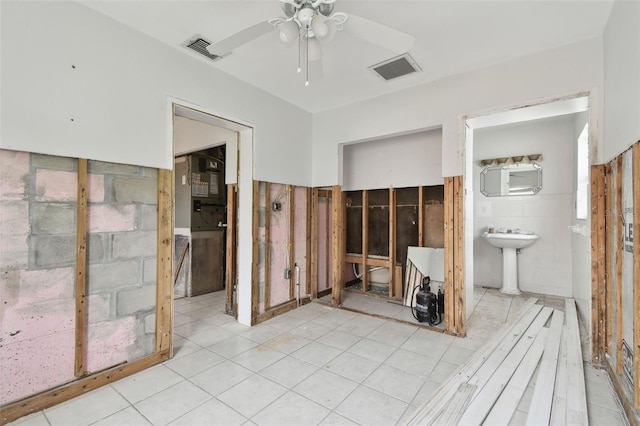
(511, 179)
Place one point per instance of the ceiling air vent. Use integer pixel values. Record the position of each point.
(200, 45)
(396, 67)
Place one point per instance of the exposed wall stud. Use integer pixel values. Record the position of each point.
(608, 273)
(636, 274)
(365, 240)
(338, 237)
(314, 243)
(81, 268)
(392, 239)
(291, 241)
(598, 300)
(308, 234)
(255, 280)
(231, 258)
(164, 269)
(619, 254)
(267, 245)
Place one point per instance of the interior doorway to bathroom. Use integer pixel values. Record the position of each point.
(552, 135)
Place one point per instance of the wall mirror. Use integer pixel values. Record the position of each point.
(511, 179)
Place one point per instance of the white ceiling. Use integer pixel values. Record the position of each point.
(452, 37)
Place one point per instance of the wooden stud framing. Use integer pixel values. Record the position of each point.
(327, 236)
(598, 299)
(80, 368)
(449, 322)
(231, 258)
(619, 254)
(291, 242)
(308, 241)
(460, 295)
(164, 269)
(365, 240)
(338, 243)
(314, 243)
(275, 311)
(392, 240)
(636, 274)
(420, 216)
(255, 280)
(267, 245)
(608, 273)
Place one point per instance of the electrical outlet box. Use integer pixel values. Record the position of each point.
(287, 273)
(276, 206)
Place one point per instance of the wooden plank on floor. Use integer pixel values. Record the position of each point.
(454, 410)
(428, 412)
(559, 403)
(540, 408)
(576, 393)
(506, 405)
(494, 375)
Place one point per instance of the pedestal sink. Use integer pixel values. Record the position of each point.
(510, 242)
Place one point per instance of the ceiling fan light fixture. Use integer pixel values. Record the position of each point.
(320, 26)
(315, 50)
(288, 31)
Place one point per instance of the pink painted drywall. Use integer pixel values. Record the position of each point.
(300, 237)
(14, 168)
(111, 218)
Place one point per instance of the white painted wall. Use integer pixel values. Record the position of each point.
(401, 161)
(622, 78)
(563, 71)
(545, 267)
(117, 94)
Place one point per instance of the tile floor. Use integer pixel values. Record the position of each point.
(316, 365)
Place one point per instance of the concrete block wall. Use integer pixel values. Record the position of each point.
(38, 201)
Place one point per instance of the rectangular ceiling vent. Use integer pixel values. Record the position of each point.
(396, 67)
(200, 45)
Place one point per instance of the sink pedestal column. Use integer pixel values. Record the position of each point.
(509, 272)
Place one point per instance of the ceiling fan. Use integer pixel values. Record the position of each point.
(313, 24)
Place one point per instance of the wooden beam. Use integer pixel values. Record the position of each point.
(291, 241)
(598, 301)
(392, 240)
(267, 245)
(459, 288)
(275, 311)
(449, 254)
(337, 243)
(636, 273)
(608, 273)
(619, 254)
(80, 368)
(328, 239)
(255, 279)
(365, 240)
(314, 243)
(230, 269)
(164, 269)
(78, 387)
(371, 261)
(420, 216)
(308, 242)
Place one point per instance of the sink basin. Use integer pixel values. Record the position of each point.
(515, 240)
(510, 243)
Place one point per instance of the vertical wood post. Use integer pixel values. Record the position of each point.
(598, 299)
(230, 269)
(164, 271)
(619, 254)
(365, 240)
(455, 298)
(308, 241)
(608, 273)
(392, 240)
(291, 241)
(460, 294)
(636, 273)
(338, 243)
(80, 367)
(267, 245)
(420, 216)
(314, 243)
(255, 279)
(449, 252)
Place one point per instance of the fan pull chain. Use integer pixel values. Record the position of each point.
(306, 83)
(299, 70)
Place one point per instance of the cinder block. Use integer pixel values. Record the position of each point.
(53, 250)
(53, 218)
(97, 247)
(111, 218)
(149, 220)
(111, 342)
(150, 172)
(14, 218)
(53, 162)
(14, 251)
(150, 323)
(32, 319)
(108, 276)
(47, 284)
(134, 300)
(14, 175)
(96, 188)
(133, 244)
(54, 185)
(149, 270)
(131, 190)
(99, 307)
(100, 167)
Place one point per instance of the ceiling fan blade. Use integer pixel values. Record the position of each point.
(226, 45)
(376, 33)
